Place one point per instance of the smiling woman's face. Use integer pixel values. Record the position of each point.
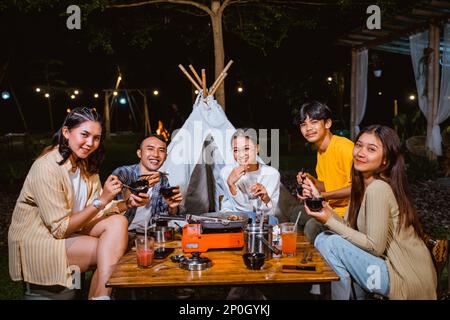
(84, 139)
(367, 153)
(244, 151)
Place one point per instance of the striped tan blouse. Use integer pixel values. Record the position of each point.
(37, 252)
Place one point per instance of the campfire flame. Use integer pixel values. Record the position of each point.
(162, 130)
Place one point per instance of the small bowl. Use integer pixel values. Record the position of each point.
(314, 204)
(139, 186)
(168, 192)
(254, 261)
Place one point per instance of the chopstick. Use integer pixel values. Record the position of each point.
(148, 175)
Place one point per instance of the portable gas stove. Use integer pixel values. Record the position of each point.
(214, 230)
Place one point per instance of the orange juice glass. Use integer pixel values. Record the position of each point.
(288, 238)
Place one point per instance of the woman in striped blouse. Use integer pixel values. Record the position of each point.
(63, 219)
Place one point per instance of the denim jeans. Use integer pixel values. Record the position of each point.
(351, 262)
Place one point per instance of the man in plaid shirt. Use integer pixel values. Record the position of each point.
(153, 152)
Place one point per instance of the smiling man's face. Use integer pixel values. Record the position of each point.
(153, 153)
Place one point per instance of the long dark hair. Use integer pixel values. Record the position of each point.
(74, 119)
(392, 171)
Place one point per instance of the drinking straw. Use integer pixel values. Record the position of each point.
(145, 237)
(296, 221)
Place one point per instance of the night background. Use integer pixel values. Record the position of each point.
(282, 56)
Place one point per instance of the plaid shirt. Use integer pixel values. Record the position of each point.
(156, 205)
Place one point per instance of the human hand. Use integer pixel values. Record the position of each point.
(322, 215)
(111, 188)
(153, 178)
(236, 174)
(309, 189)
(174, 201)
(258, 190)
(139, 200)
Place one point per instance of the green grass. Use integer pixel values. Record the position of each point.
(9, 290)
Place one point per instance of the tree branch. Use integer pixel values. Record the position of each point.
(302, 3)
(143, 3)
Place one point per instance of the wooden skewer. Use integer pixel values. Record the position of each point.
(189, 77)
(223, 71)
(223, 76)
(195, 73)
(204, 82)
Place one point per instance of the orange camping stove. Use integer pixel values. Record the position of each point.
(195, 240)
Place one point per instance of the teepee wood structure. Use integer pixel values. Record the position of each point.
(200, 83)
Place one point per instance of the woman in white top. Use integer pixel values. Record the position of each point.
(252, 184)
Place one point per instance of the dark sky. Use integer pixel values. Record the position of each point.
(274, 82)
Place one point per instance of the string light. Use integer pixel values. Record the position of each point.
(47, 95)
(72, 96)
(38, 89)
(155, 92)
(115, 93)
(76, 92)
(5, 95)
(96, 95)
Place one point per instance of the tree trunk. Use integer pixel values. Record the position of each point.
(219, 52)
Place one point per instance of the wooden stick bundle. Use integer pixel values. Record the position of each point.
(221, 78)
(195, 74)
(189, 77)
(204, 82)
(200, 83)
(223, 71)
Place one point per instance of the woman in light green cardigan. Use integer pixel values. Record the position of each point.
(379, 243)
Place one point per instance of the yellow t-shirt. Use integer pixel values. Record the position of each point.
(334, 169)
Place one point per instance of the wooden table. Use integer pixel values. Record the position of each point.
(228, 269)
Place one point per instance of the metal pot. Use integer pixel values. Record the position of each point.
(162, 233)
(253, 243)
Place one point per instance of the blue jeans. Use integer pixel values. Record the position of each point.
(351, 262)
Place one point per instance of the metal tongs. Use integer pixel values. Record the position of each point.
(202, 218)
(192, 217)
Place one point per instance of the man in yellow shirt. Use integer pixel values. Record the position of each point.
(334, 162)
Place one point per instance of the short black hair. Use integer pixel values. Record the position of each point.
(315, 110)
(157, 136)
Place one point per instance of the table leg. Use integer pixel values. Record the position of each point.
(327, 290)
(448, 270)
(133, 294)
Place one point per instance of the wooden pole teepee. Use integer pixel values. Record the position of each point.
(200, 83)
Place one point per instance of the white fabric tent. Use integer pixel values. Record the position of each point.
(197, 153)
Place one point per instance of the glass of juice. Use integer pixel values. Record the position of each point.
(288, 239)
(144, 251)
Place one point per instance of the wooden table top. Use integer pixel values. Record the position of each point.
(228, 269)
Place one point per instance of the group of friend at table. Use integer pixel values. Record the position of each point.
(64, 217)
